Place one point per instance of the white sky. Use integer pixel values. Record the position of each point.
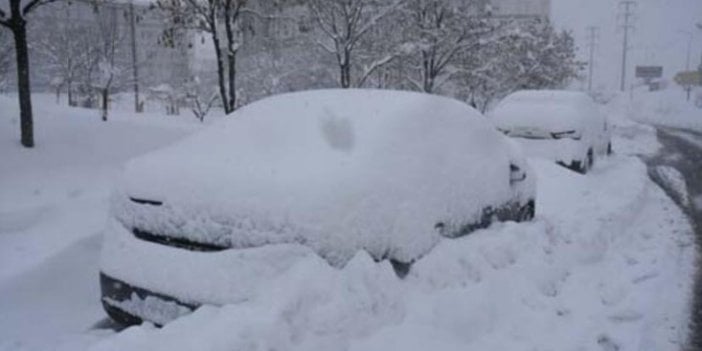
(657, 40)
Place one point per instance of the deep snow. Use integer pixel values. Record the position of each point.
(607, 263)
(337, 170)
(53, 206)
(667, 108)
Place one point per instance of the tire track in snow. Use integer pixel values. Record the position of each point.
(682, 150)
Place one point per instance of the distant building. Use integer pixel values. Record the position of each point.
(279, 51)
(521, 8)
(161, 59)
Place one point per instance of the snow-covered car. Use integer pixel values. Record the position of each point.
(328, 172)
(563, 126)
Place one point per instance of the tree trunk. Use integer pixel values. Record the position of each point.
(220, 72)
(232, 79)
(427, 73)
(345, 75)
(105, 99)
(69, 93)
(229, 19)
(135, 65)
(19, 32)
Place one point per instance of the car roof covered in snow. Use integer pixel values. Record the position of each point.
(550, 110)
(375, 169)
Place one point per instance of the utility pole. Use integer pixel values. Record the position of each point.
(688, 88)
(627, 6)
(135, 65)
(699, 26)
(592, 37)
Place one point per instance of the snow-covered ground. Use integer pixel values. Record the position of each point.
(606, 265)
(666, 108)
(53, 202)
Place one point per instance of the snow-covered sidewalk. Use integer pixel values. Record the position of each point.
(606, 265)
(53, 207)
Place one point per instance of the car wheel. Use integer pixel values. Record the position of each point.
(527, 212)
(609, 148)
(121, 317)
(586, 164)
(401, 268)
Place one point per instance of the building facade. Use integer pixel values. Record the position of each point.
(76, 34)
(279, 51)
(521, 8)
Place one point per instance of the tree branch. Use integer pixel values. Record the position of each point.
(325, 47)
(33, 5)
(374, 66)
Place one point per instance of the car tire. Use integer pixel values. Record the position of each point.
(609, 148)
(121, 317)
(586, 164)
(401, 268)
(527, 212)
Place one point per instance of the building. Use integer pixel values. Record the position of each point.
(279, 52)
(521, 8)
(75, 34)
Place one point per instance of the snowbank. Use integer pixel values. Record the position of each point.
(667, 108)
(673, 181)
(53, 208)
(312, 307)
(57, 192)
(607, 264)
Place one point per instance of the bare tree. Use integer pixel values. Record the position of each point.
(527, 55)
(112, 73)
(67, 50)
(200, 98)
(14, 18)
(345, 24)
(133, 19)
(213, 17)
(5, 59)
(441, 30)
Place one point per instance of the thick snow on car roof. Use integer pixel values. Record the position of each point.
(550, 110)
(340, 170)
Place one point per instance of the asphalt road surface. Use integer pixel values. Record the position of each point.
(682, 149)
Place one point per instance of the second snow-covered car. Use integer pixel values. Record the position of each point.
(329, 172)
(563, 126)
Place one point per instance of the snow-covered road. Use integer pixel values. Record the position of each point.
(606, 265)
(682, 152)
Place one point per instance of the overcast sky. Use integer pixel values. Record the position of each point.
(657, 40)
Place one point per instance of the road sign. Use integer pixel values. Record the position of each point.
(649, 72)
(688, 78)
